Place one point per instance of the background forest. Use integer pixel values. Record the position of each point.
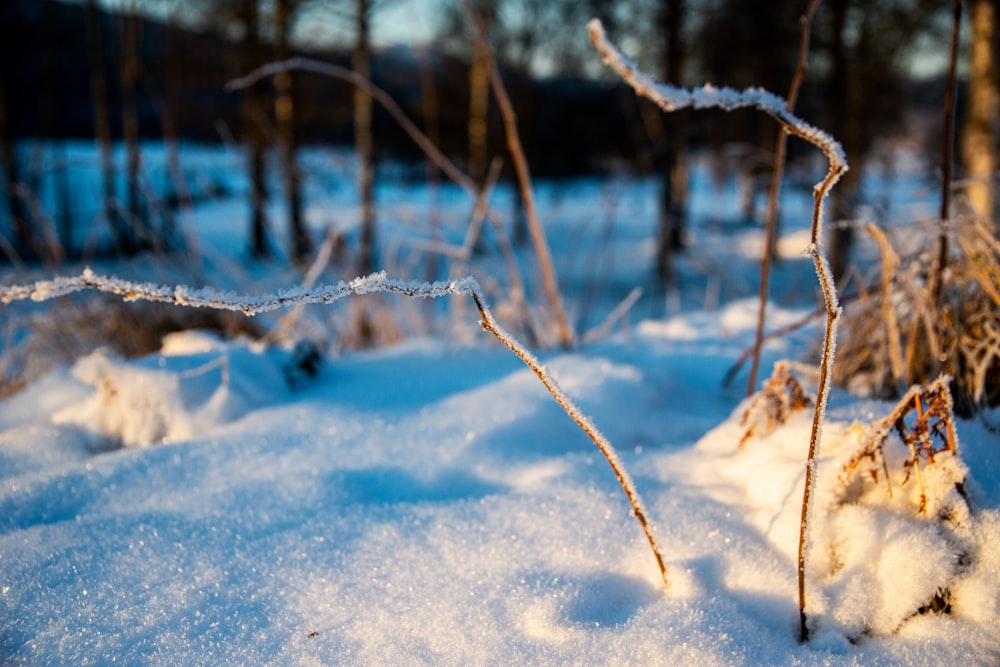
(136, 71)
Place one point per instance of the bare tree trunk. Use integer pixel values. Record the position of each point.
(674, 187)
(170, 117)
(364, 141)
(253, 121)
(9, 164)
(60, 242)
(479, 97)
(284, 113)
(430, 112)
(130, 41)
(102, 126)
(979, 141)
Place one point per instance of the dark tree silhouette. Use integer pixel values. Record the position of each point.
(285, 117)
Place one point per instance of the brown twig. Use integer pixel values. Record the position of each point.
(490, 324)
(524, 184)
(432, 152)
(772, 203)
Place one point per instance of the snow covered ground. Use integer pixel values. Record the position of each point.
(430, 503)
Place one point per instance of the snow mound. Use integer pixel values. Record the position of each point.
(884, 547)
(196, 383)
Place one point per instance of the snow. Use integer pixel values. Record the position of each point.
(430, 502)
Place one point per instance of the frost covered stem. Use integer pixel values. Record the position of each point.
(671, 98)
(833, 311)
(602, 443)
(545, 263)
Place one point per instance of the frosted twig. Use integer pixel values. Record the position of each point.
(434, 154)
(670, 98)
(253, 304)
(602, 443)
(248, 304)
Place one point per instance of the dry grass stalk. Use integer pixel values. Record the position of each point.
(890, 260)
(545, 263)
(618, 314)
(770, 232)
(284, 330)
(958, 335)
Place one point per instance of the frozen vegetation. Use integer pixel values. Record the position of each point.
(243, 501)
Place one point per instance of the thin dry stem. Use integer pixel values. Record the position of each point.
(670, 98)
(432, 152)
(490, 324)
(618, 313)
(429, 147)
(772, 202)
(947, 145)
(545, 263)
(890, 260)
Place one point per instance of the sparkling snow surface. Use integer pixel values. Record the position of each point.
(430, 503)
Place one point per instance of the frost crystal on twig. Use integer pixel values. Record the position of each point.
(672, 98)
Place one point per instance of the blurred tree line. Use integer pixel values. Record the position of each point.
(77, 70)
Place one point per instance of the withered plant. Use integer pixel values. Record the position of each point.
(916, 444)
(671, 98)
(780, 398)
(923, 423)
(906, 336)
